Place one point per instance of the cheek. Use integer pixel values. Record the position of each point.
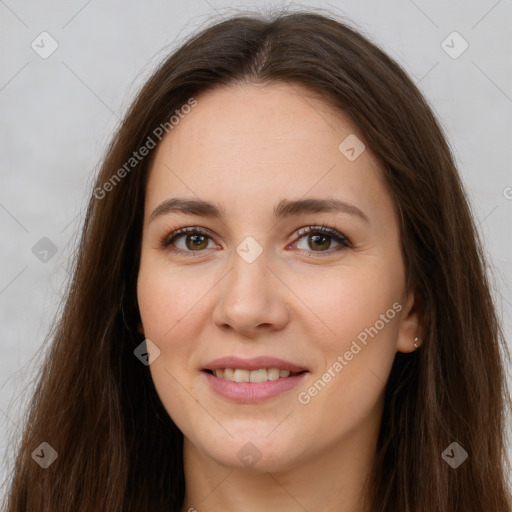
(166, 298)
(362, 312)
(166, 301)
(349, 300)
(166, 304)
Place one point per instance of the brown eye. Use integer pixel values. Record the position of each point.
(195, 242)
(320, 239)
(321, 242)
(187, 241)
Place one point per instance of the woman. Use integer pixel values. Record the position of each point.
(279, 300)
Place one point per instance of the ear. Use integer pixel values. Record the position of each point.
(140, 328)
(410, 324)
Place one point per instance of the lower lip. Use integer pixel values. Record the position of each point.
(250, 392)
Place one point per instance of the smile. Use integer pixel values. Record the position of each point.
(260, 375)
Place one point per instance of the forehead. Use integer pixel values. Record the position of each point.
(252, 144)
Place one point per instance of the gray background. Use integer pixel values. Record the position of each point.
(57, 115)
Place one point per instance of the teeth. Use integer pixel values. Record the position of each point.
(258, 375)
(261, 375)
(273, 374)
(241, 375)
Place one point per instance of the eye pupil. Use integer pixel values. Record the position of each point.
(197, 240)
(317, 240)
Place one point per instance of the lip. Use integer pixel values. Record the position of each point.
(254, 363)
(251, 392)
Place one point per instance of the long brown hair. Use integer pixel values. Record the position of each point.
(95, 403)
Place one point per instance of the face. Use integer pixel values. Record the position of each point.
(262, 280)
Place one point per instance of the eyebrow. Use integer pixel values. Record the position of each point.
(285, 208)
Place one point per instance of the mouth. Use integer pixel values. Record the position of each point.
(259, 375)
(252, 380)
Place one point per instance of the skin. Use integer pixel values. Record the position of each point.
(246, 148)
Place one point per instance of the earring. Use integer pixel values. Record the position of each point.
(416, 342)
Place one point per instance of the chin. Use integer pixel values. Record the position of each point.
(253, 453)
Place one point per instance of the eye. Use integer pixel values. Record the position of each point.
(187, 241)
(191, 241)
(320, 239)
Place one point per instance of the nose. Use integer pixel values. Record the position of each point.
(252, 300)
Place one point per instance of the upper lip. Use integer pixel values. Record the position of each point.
(253, 363)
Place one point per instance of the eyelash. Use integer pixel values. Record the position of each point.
(344, 242)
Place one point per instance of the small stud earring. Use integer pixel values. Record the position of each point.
(416, 342)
